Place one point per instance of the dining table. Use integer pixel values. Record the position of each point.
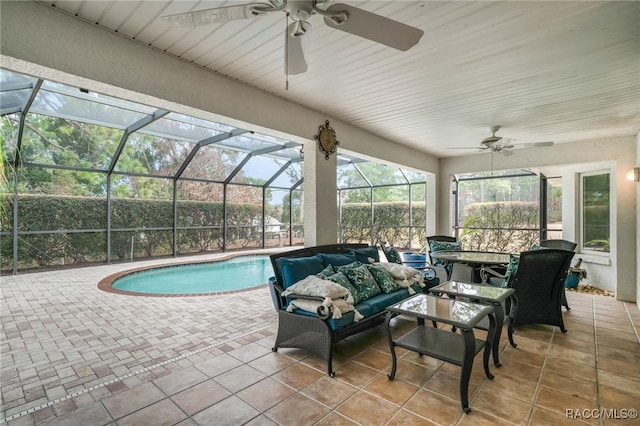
(475, 259)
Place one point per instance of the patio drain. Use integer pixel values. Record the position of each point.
(126, 376)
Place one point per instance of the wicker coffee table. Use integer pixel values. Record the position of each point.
(459, 349)
(484, 294)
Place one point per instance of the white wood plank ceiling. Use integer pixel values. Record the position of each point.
(544, 70)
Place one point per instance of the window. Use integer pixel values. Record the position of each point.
(596, 212)
(554, 208)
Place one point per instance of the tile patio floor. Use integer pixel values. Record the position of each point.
(74, 355)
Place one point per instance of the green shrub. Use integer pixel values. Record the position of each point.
(517, 224)
(131, 219)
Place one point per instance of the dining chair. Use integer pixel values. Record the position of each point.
(433, 244)
(539, 286)
(559, 244)
(562, 245)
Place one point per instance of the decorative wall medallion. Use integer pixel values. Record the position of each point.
(326, 138)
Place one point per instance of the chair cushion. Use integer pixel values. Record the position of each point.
(337, 259)
(512, 268)
(295, 269)
(366, 253)
(383, 278)
(393, 255)
(435, 246)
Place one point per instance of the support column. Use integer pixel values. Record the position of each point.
(320, 202)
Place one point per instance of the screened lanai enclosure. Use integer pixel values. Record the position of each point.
(380, 202)
(506, 211)
(90, 178)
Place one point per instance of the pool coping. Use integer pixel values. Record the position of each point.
(105, 284)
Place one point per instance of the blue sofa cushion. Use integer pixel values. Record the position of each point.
(366, 253)
(295, 269)
(512, 268)
(380, 302)
(367, 308)
(338, 259)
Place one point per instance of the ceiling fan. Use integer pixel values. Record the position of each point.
(502, 145)
(342, 17)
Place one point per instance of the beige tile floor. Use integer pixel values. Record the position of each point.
(74, 355)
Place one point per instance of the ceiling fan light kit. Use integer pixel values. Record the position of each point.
(342, 17)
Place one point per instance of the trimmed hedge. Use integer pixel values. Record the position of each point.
(512, 215)
(390, 223)
(45, 213)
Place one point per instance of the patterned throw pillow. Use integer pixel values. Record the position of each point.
(363, 281)
(384, 279)
(348, 266)
(512, 268)
(340, 278)
(393, 256)
(326, 272)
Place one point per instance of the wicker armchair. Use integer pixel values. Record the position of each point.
(562, 245)
(539, 285)
(559, 244)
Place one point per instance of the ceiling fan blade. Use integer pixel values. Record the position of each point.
(535, 144)
(295, 61)
(374, 27)
(213, 16)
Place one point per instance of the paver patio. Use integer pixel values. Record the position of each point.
(72, 354)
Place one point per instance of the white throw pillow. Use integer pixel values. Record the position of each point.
(316, 286)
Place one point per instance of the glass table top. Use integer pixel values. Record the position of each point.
(455, 312)
(475, 291)
(480, 257)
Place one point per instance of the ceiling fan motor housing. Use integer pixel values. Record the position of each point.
(490, 141)
(299, 10)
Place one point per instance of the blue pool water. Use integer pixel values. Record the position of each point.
(227, 275)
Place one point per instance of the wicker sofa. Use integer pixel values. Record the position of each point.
(312, 331)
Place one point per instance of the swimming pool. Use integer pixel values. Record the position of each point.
(223, 276)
